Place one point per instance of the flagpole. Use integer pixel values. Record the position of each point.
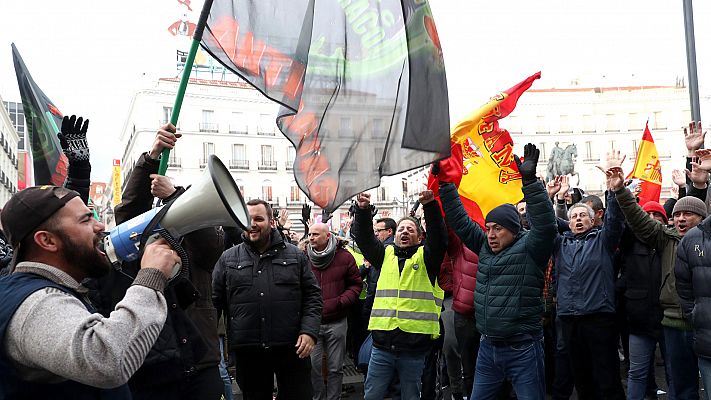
(691, 60)
(197, 38)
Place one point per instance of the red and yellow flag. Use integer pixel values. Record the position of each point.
(482, 163)
(648, 169)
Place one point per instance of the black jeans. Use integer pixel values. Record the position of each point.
(591, 341)
(468, 342)
(256, 367)
(202, 384)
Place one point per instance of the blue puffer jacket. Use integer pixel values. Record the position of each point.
(509, 284)
(693, 283)
(584, 265)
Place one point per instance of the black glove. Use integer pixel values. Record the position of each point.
(435, 168)
(325, 216)
(305, 214)
(527, 168)
(73, 138)
(373, 211)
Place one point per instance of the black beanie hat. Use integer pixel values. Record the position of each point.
(505, 215)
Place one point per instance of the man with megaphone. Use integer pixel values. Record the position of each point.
(183, 364)
(54, 344)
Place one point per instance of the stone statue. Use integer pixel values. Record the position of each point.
(562, 162)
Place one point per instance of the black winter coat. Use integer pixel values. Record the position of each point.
(268, 299)
(641, 268)
(188, 341)
(693, 283)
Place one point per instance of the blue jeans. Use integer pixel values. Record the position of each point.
(683, 362)
(521, 363)
(383, 366)
(223, 371)
(705, 369)
(642, 348)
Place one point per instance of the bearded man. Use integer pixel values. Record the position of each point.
(54, 344)
(272, 303)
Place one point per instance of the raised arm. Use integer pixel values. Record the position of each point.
(373, 250)
(436, 240)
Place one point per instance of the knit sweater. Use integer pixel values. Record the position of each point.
(52, 337)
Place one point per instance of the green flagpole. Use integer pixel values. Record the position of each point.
(197, 38)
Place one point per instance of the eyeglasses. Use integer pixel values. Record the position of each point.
(381, 229)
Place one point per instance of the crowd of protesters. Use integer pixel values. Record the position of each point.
(547, 298)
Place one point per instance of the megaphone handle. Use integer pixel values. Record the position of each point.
(176, 267)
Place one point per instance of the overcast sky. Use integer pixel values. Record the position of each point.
(90, 56)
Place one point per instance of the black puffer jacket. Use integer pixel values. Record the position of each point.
(693, 283)
(268, 299)
(188, 341)
(641, 268)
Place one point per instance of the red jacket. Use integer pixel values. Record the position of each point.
(464, 263)
(340, 285)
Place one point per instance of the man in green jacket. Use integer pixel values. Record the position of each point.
(678, 332)
(509, 284)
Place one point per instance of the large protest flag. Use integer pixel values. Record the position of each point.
(482, 163)
(647, 169)
(361, 84)
(49, 161)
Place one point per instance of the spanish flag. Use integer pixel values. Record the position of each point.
(482, 163)
(648, 169)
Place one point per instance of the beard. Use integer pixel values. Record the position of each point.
(89, 259)
(262, 240)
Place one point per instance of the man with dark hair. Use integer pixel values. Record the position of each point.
(54, 344)
(595, 203)
(266, 288)
(385, 230)
(408, 300)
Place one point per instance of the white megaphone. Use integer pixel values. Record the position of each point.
(215, 200)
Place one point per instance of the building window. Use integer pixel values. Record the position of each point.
(634, 148)
(266, 125)
(382, 194)
(379, 130)
(634, 123)
(239, 157)
(295, 193)
(345, 130)
(613, 145)
(588, 124)
(610, 123)
(290, 157)
(207, 125)
(589, 151)
(207, 150)
(541, 125)
(543, 151)
(565, 126)
(238, 124)
(658, 121)
(167, 112)
(267, 190)
(267, 162)
(349, 163)
(240, 185)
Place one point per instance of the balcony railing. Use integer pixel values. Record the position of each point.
(208, 127)
(239, 164)
(203, 161)
(289, 165)
(174, 162)
(238, 129)
(267, 166)
(261, 131)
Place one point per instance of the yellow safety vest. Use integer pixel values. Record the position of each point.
(359, 258)
(407, 301)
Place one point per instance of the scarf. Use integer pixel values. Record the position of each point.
(321, 259)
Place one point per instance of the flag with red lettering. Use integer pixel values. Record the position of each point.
(362, 84)
(647, 169)
(48, 160)
(482, 163)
